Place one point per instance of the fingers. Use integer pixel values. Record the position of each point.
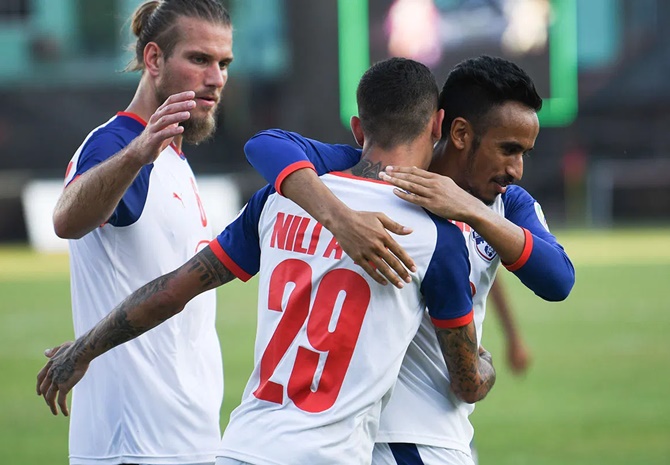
(50, 397)
(42, 378)
(62, 402)
(409, 183)
(51, 352)
(391, 268)
(176, 98)
(371, 270)
(396, 252)
(413, 198)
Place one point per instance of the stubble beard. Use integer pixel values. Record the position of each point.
(469, 175)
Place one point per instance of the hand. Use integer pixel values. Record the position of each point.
(364, 236)
(162, 127)
(436, 193)
(518, 358)
(485, 355)
(59, 375)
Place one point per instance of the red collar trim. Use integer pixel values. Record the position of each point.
(127, 114)
(137, 118)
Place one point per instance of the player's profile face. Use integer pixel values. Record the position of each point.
(498, 159)
(199, 62)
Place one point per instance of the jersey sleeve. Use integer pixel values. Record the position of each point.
(238, 246)
(101, 146)
(543, 267)
(446, 284)
(275, 154)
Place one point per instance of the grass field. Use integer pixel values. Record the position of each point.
(597, 391)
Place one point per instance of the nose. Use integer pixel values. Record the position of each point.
(515, 167)
(216, 77)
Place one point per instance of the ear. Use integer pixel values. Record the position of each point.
(357, 130)
(460, 132)
(153, 59)
(436, 131)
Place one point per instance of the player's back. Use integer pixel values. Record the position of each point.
(330, 340)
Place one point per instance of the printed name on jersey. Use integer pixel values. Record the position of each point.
(540, 216)
(302, 235)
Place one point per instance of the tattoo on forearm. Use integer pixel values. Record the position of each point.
(367, 169)
(212, 272)
(472, 376)
(117, 328)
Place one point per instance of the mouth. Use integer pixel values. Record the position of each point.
(207, 101)
(501, 186)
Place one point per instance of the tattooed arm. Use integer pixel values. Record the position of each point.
(144, 309)
(470, 368)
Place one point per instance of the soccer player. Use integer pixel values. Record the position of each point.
(132, 211)
(490, 125)
(330, 340)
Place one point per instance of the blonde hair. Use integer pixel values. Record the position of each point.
(156, 21)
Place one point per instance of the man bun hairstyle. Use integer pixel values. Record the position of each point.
(396, 99)
(156, 21)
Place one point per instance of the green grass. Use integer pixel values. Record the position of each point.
(596, 393)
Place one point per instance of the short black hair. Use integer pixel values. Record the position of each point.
(478, 85)
(396, 98)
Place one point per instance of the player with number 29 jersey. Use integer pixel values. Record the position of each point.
(330, 340)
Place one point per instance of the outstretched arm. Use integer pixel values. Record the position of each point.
(525, 246)
(364, 236)
(144, 309)
(292, 164)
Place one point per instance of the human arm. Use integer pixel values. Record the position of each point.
(470, 366)
(524, 244)
(92, 198)
(448, 295)
(518, 357)
(234, 253)
(292, 164)
(144, 309)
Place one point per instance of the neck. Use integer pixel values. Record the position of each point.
(144, 103)
(374, 160)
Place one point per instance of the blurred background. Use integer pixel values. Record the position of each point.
(597, 390)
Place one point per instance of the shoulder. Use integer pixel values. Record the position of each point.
(516, 195)
(114, 134)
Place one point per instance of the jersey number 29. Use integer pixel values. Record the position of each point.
(339, 286)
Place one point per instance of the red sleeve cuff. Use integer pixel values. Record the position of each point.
(525, 254)
(228, 262)
(290, 169)
(454, 322)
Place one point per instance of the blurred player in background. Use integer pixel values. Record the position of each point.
(132, 211)
(490, 125)
(330, 340)
(518, 357)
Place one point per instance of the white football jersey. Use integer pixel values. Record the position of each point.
(330, 340)
(423, 409)
(155, 399)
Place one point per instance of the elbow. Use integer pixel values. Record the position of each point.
(561, 288)
(255, 146)
(64, 229)
(470, 396)
(474, 393)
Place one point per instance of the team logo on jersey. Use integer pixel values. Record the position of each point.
(540, 216)
(483, 248)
